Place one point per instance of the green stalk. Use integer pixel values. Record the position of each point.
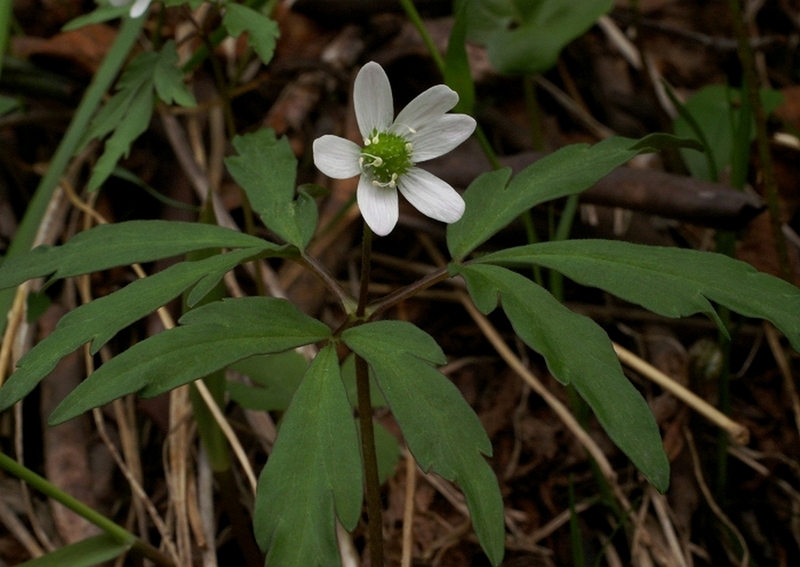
(762, 138)
(26, 233)
(5, 25)
(111, 528)
(416, 19)
(368, 451)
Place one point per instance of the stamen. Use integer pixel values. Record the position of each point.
(392, 183)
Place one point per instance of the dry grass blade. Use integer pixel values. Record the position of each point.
(738, 433)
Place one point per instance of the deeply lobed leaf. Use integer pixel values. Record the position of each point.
(266, 170)
(262, 32)
(313, 472)
(492, 202)
(577, 352)
(102, 318)
(440, 428)
(527, 37)
(669, 281)
(211, 337)
(110, 245)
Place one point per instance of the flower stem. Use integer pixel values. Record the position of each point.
(373, 483)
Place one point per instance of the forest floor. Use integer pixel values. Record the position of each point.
(731, 501)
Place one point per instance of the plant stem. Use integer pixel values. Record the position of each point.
(413, 15)
(438, 275)
(313, 265)
(762, 139)
(373, 483)
(416, 20)
(111, 528)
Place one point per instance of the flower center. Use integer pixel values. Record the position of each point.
(385, 158)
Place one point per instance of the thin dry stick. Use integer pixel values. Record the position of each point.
(205, 489)
(15, 317)
(15, 337)
(698, 473)
(660, 506)
(10, 521)
(408, 511)
(786, 371)
(193, 512)
(136, 488)
(178, 441)
(561, 519)
(129, 441)
(738, 433)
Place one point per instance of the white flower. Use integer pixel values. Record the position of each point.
(421, 131)
(138, 8)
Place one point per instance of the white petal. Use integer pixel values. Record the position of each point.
(431, 196)
(427, 107)
(378, 206)
(336, 157)
(139, 7)
(440, 136)
(372, 97)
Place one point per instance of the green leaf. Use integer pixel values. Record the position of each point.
(524, 36)
(577, 352)
(261, 30)
(131, 126)
(492, 202)
(266, 169)
(99, 320)
(716, 111)
(99, 15)
(376, 399)
(210, 337)
(110, 245)
(109, 116)
(313, 472)
(127, 114)
(441, 430)
(669, 281)
(168, 78)
(7, 104)
(457, 74)
(92, 551)
(387, 451)
(277, 376)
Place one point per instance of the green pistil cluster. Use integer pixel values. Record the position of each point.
(385, 158)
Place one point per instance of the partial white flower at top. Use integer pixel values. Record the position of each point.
(138, 8)
(421, 131)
